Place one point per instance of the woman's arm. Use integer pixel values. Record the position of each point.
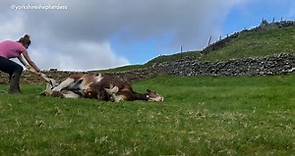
(30, 68)
(21, 59)
(29, 60)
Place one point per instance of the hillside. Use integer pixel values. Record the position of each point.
(174, 57)
(264, 40)
(267, 39)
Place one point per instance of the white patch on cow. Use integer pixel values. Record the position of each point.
(156, 99)
(64, 84)
(112, 90)
(70, 95)
(83, 85)
(98, 78)
(291, 70)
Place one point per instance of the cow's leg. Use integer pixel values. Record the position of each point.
(118, 98)
(112, 90)
(63, 84)
(70, 95)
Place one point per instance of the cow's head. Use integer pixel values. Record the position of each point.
(154, 96)
(91, 90)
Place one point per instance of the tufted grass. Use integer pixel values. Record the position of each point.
(201, 116)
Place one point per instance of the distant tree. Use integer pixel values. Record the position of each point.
(209, 41)
(264, 23)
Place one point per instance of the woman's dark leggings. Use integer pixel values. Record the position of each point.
(10, 67)
(14, 70)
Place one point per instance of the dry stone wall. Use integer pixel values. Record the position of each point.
(272, 65)
(28, 78)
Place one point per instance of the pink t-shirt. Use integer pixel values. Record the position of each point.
(11, 49)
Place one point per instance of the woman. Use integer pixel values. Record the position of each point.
(16, 49)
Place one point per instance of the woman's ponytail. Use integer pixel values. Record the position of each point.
(25, 40)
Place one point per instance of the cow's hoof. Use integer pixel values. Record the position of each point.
(42, 94)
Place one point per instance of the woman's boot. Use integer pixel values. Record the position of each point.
(14, 83)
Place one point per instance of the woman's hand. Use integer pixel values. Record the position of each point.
(31, 69)
(42, 75)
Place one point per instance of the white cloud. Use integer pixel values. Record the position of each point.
(79, 56)
(187, 21)
(80, 38)
(10, 29)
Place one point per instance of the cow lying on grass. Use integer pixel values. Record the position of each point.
(106, 88)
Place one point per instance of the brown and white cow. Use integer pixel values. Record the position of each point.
(107, 88)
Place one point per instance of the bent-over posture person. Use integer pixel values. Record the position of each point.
(16, 49)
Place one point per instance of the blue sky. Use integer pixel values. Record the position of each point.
(100, 34)
(251, 13)
(246, 15)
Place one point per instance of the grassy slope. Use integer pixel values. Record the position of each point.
(174, 57)
(164, 58)
(122, 69)
(249, 44)
(256, 44)
(201, 116)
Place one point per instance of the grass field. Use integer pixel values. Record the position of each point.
(201, 116)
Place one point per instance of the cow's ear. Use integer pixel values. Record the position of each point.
(148, 90)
